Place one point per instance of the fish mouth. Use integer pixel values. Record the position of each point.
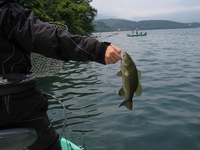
(123, 57)
(123, 54)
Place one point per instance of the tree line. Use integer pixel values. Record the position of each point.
(78, 15)
(105, 25)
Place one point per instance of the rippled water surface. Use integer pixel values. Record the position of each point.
(165, 117)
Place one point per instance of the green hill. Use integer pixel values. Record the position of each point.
(105, 25)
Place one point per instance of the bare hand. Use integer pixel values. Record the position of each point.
(112, 55)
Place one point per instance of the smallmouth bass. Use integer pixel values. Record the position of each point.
(130, 78)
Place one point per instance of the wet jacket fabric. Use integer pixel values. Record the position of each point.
(22, 33)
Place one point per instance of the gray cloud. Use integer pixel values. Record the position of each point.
(180, 10)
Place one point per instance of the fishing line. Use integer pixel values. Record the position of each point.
(78, 45)
(64, 108)
(60, 27)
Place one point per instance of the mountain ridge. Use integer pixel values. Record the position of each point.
(106, 25)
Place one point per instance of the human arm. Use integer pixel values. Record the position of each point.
(32, 35)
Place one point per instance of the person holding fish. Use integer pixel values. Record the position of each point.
(22, 104)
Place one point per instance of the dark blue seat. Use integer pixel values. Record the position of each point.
(17, 138)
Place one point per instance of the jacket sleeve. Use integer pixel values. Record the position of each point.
(31, 34)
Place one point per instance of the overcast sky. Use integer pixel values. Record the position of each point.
(136, 10)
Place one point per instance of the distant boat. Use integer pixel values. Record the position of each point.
(139, 34)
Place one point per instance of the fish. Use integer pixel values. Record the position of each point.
(130, 78)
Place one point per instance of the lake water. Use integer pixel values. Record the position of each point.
(165, 117)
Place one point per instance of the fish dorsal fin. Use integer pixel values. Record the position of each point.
(139, 89)
(119, 73)
(122, 92)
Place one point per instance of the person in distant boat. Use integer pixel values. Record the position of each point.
(22, 104)
(136, 30)
(133, 31)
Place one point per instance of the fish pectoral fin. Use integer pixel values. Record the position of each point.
(126, 73)
(119, 73)
(128, 104)
(139, 89)
(122, 92)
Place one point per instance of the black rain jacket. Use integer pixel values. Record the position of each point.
(22, 33)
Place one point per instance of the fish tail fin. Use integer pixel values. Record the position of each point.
(127, 103)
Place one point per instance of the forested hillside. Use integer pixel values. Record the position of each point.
(124, 25)
(78, 15)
